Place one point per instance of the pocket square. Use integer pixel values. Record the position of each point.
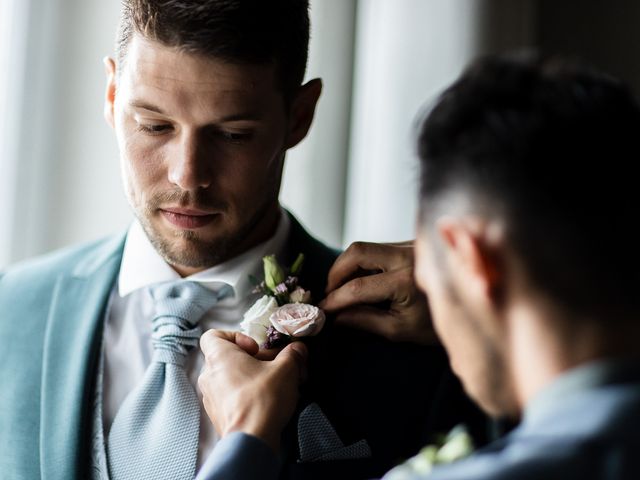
(319, 441)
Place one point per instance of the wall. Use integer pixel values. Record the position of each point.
(86, 191)
(315, 174)
(604, 33)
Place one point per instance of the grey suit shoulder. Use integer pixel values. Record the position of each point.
(593, 434)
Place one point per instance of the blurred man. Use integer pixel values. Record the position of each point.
(97, 341)
(527, 250)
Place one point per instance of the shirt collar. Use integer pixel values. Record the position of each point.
(578, 380)
(142, 265)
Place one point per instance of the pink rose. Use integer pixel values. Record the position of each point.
(298, 319)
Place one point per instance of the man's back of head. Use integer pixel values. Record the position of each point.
(528, 197)
(552, 148)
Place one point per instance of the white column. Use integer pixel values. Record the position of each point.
(13, 35)
(29, 131)
(90, 199)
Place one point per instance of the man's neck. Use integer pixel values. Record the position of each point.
(545, 344)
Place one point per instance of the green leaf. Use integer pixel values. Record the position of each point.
(297, 265)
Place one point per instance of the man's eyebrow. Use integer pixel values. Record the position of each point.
(242, 116)
(233, 117)
(146, 106)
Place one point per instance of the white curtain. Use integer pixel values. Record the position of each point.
(59, 169)
(407, 51)
(28, 123)
(315, 174)
(12, 33)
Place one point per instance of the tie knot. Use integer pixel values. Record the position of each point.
(179, 308)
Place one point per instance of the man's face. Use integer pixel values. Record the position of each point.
(474, 352)
(202, 145)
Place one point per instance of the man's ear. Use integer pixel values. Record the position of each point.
(110, 92)
(472, 251)
(302, 109)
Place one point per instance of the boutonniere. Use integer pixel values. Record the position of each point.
(456, 445)
(283, 313)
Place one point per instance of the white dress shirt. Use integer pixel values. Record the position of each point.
(128, 347)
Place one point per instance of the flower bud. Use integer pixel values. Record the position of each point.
(273, 274)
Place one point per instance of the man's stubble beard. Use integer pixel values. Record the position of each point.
(197, 253)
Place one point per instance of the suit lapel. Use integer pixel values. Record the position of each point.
(70, 354)
(318, 260)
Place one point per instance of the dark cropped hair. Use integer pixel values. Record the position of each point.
(238, 31)
(551, 147)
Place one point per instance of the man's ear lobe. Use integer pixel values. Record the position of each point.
(472, 258)
(303, 108)
(110, 92)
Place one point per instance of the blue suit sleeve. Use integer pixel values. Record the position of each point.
(239, 456)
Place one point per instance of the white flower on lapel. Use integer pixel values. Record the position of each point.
(255, 322)
(456, 445)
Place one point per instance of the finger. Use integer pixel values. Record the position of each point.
(213, 340)
(396, 285)
(406, 243)
(247, 343)
(368, 256)
(267, 354)
(210, 340)
(292, 360)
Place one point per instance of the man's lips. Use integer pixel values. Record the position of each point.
(188, 218)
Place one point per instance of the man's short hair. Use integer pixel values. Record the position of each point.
(237, 31)
(551, 148)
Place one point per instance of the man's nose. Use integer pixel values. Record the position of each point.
(189, 166)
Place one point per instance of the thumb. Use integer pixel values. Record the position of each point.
(293, 358)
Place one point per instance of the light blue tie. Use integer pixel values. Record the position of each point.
(155, 432)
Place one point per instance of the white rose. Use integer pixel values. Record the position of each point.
(256, 320)
(300, 295)
(298, 319)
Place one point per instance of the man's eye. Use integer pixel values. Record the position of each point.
(235, 137)
(154, 129)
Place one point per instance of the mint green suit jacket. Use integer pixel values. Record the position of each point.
(51, 311)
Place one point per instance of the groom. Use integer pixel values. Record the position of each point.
(96, 341)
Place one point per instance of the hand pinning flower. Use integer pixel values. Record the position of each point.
(283, 313)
